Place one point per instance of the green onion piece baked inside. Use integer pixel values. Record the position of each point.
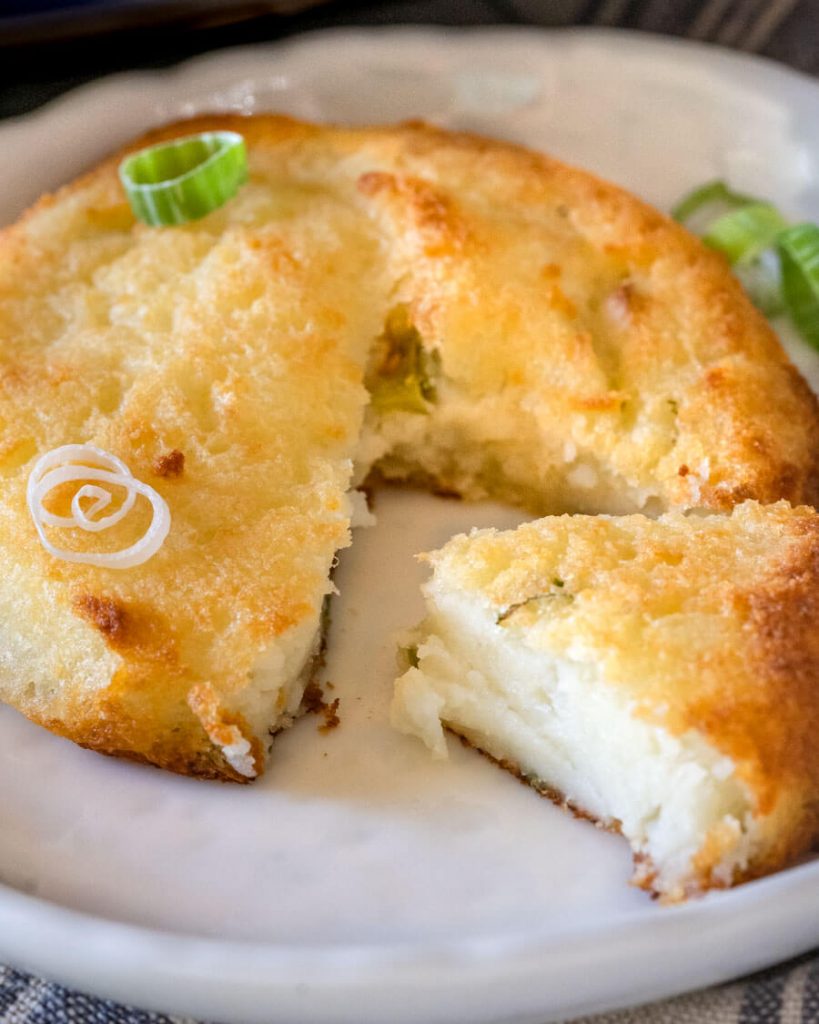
(185, 179)
(401, 378)
(408, 656)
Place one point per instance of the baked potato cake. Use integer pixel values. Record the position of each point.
(430, 306)
(658, 676)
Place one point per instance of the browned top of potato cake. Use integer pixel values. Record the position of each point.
(569, 347)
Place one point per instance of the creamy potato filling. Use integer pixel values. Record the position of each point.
(565, 729)
(284, 670)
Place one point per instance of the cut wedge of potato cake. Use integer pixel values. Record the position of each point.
(658, 676)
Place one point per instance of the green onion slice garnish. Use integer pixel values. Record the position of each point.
(744, 233)
(778, 265)
(708, 202)
(761, 277)
(799, 251)
(184, 179)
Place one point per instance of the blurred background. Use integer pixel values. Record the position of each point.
(49, 46)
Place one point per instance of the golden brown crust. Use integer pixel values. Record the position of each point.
(171, 464)
(565, 314)
(108, 616)
(314, 703)
(647, 315)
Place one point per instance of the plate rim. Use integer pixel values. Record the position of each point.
(301, 974)
(436, 34)
(127, 954)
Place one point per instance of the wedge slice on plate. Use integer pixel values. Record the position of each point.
(660, 677)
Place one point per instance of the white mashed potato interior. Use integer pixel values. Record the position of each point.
(491, 449)
(558, 722)
(280, 677)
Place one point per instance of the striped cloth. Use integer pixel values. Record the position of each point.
(785, 29)
(785, 995)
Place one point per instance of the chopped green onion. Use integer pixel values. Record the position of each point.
(761, 278)
(777, 265)
(404, 370)
(185, 179)
(715, 194)
(744, 233)
(799, 249)
(408, 656)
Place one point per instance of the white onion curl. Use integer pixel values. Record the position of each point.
(75, 462)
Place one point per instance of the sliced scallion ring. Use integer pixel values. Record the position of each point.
(184, 179)
(761, 277)
(743, 234)
(701, 206)
(777, 265)
(799, 250)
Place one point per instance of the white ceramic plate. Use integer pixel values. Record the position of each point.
(360, 881)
